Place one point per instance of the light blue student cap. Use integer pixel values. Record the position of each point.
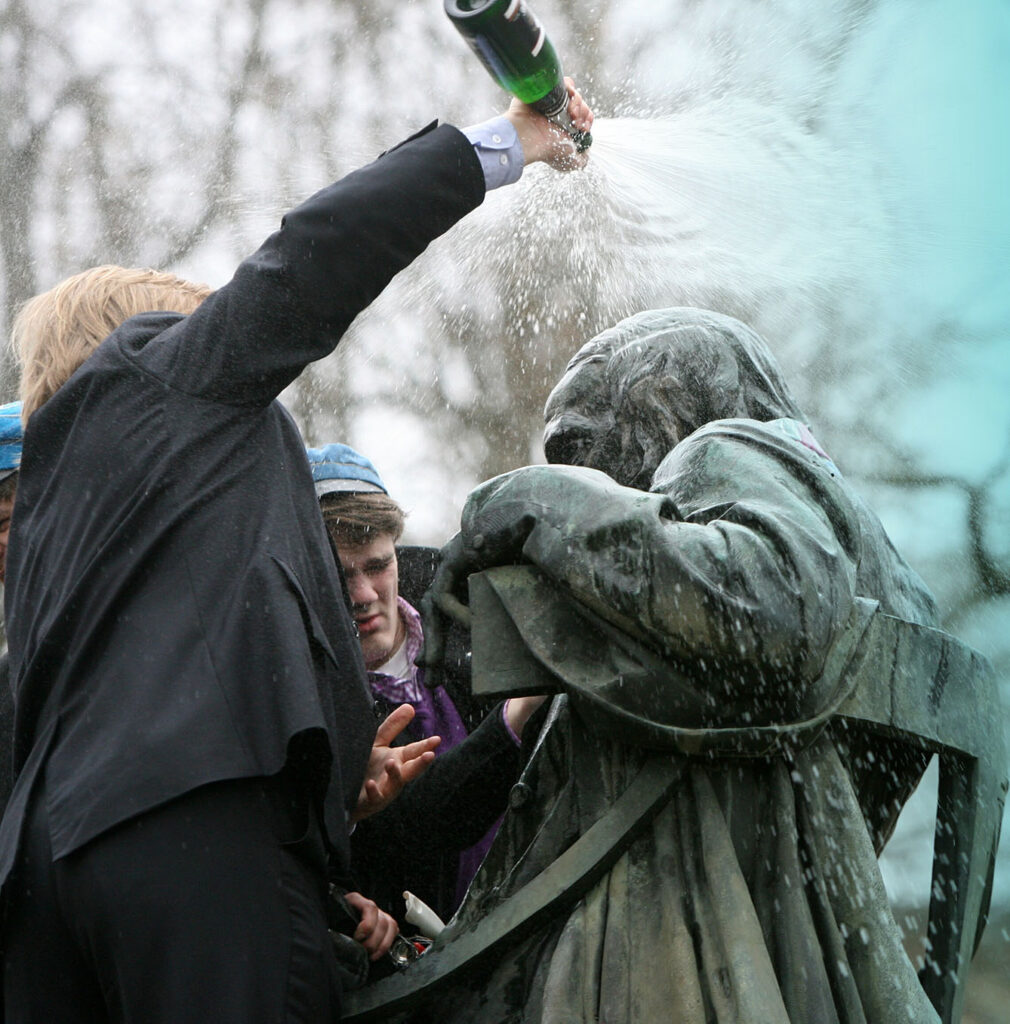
(338, 467)
(11, 436)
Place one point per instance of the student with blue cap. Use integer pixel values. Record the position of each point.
(432, 839)
(338, 467)
(11, 434)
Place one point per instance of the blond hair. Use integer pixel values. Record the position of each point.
(55, 332)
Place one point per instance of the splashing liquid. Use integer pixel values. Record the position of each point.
(724, 199)
(726, 205)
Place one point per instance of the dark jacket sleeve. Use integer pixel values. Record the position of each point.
(6, 732)
(289, 303)
(415, 843)
(462, 794)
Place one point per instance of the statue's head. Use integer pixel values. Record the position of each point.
(635, 390)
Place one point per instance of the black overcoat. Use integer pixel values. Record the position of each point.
(174, 611)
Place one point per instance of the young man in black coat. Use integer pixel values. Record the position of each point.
(193, 731)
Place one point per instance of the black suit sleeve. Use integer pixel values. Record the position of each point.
(289, 303)
(6, 732)
(466, 789)
(415, 843)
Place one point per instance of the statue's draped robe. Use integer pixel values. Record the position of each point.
(754, 895)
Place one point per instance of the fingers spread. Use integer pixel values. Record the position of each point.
(414, 768)
(417, 749)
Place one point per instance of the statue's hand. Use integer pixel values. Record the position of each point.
(493, 532)
(499, 515)
(440, 603)
(495, 524)
(497, 520)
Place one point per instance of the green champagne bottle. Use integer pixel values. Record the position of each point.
(513, 46)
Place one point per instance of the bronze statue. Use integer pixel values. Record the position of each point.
(750, 683)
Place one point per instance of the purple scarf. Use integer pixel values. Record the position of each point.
(434, 712)
(434, 715)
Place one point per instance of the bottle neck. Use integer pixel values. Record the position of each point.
(554, 103)
(554, 106)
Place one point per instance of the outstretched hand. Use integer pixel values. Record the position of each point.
(440, 603)
(391, 768)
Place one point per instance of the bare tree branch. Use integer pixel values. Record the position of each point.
(994, 581)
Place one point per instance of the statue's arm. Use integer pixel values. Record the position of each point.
(736, 557)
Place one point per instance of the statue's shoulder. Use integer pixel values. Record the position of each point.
(737, 460)
(784, 439)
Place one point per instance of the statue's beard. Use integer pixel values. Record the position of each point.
(632, 452)
(624, 459)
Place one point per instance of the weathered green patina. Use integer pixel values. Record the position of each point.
(750, 684)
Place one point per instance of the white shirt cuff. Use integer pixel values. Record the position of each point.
(499, 150)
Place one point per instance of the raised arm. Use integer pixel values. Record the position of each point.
(291, 301)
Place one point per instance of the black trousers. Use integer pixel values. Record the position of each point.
(207, 909)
